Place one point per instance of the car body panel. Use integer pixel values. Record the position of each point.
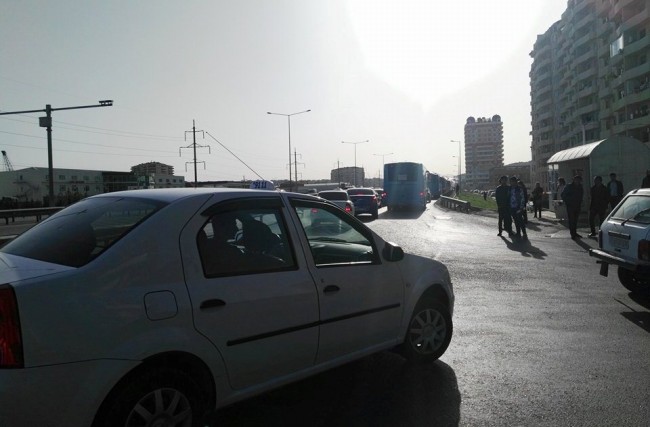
(623, 231)
(84, 329)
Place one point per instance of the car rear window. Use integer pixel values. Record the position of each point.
(81, 232)
(634, 208)
(361, 191)
(338, 195)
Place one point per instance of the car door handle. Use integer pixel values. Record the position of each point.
(212, 303)
(331, 288)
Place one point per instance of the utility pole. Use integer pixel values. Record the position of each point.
(295, 162)
(46, 122)
(193, 146)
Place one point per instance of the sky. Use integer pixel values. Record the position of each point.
(401, 75)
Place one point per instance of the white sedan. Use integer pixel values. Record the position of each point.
(153, 307)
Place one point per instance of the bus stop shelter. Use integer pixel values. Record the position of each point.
(627, 157)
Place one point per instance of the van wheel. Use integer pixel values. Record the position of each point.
(634, 282)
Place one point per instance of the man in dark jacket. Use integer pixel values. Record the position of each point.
(572, 198)
(598, 204)
(615, 189)
(502, 196)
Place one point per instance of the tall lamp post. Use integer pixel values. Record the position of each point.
(288, 116)
(355, 157)
(459, 163)
(382, 160)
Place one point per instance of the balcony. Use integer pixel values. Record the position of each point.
(636, 19)
(589, 72)
(638, 45)
(637, 71)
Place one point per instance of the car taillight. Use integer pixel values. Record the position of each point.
(348, 208)
(600, 239)
(11, 343)
(644, 250)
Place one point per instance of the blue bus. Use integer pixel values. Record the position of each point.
(405, 185)
(434, 185)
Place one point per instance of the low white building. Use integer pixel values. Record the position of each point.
(31, 185)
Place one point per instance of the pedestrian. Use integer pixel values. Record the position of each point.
(537, 195)
(517, 207)
(572, 198)
(598, 204)
(502, 196)
(525, 190)
(646, 180)
(615, 189)
(561, 183)
(484, 195)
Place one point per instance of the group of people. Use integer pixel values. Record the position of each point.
(512, 197)
(601, 197)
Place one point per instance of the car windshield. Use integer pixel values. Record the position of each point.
(334, 195)
(635, 208)
(81, 232)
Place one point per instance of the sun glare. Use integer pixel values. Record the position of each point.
(429, 49)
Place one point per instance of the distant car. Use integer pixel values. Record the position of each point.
(365, 201)
(381, 194)
(624, 241)
(340, 198)
(153, 307)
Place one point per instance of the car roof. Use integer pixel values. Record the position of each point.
(171, 195)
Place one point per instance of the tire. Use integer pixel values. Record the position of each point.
(375, 214)
(429, 332)
(634, 282)
(164, 395)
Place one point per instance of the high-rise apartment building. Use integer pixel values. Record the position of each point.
(483, 151)
(590, 78)
(152, 168)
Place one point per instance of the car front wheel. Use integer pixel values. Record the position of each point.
(634, 282)
(429, 332)
(158, 397)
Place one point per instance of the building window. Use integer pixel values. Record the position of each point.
(62, 177)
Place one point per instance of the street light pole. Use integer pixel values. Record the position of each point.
(288, 116)
(355, 157)
(459, 163)
(382, 160)
(46, 122)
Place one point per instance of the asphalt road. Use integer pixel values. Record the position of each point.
(541, 339)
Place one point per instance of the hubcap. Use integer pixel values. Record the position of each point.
(427, 331)
(165, 407)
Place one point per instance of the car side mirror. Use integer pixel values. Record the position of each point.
(392, 252)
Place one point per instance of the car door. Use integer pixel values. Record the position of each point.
(251, 292)
(360, 295)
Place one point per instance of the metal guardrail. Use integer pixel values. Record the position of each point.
(12, 214)
(455, 204)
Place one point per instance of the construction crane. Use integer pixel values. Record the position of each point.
(8, 165)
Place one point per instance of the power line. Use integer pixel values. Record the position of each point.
(234, 155)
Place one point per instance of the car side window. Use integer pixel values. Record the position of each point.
(245, 241)
(334, 237)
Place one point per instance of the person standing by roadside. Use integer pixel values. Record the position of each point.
(645, 183)
(517, 207)
(598, 204)
(561, 183)
(502, 196)
(572, 198)
(615, 189)
(537, 194)
(520, 183)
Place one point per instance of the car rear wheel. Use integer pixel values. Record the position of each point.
(157, 397)
(634, 282)
(429, 332)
